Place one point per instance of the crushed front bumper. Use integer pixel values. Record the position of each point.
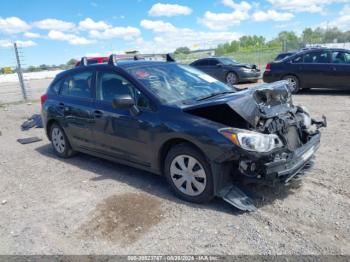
(283, 169)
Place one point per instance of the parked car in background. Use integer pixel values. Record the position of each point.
(312, 68)
(227, 70)
(175, 120)
(283, 55)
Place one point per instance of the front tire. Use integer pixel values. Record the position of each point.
(293, 82)
(231, 78)
(60, 143)
(188, 173)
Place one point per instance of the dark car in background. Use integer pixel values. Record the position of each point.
(227, 70)
(174, 120)
(312, 68)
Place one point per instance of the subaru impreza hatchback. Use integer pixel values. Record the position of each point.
(173, 120)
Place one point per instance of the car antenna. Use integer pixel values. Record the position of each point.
(84, 61)
(170, 58)
(112, 60)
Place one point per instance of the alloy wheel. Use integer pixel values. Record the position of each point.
(188, 175)
(292, 83)
(231, 78)
(58, 140)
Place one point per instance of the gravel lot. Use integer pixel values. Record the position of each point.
(85, 205)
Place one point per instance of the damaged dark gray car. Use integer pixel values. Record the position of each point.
(204, 136)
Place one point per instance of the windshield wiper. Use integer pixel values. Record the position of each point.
(214, 94)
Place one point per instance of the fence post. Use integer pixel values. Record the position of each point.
(20, 74)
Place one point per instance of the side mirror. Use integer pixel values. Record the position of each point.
(123, 101)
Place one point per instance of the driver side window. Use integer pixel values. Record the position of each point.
(110, 84)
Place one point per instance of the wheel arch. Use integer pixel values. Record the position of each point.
(167, 145)
(48, 127)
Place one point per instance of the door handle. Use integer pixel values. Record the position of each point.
(334, 68)
(98, 114)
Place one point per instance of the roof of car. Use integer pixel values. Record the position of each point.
(122, 63)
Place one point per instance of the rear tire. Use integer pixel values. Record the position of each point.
(60, 143)
(293, 82)
(189, 174)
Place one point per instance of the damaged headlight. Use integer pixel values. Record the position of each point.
(252, 141)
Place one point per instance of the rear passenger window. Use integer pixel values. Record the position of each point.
(317, 57)
(201, 63)
(298, 59)
(78, 85)
(55, 87)
(213, 62)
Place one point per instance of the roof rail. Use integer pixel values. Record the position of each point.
(112, 60)
(170, 58)
(83, 61)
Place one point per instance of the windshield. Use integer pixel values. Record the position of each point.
(174, 83)
(228, 61)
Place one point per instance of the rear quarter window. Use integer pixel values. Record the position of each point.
(55, 86)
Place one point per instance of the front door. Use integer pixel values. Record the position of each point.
(118, 132)
(341, 69)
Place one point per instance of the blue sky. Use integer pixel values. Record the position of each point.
(52, 32)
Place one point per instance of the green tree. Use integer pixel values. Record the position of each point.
(71, 62)
(182, 50)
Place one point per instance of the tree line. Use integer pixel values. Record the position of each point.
(285, 40)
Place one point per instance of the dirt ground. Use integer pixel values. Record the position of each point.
(86, 205)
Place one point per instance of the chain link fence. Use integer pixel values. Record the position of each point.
(16, 86)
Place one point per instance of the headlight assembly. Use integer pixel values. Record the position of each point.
(252, 141)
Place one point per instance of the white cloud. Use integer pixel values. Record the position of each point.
(31, 35)
(12, 25)
(311, 6)
(70, 38)
(9, 43)
(272, 15)
(27, 43)
(157, 26)
(54, 24)
(242, 6)
(342, 21)
(168, 37)
(116, 32)
(169, 10)
(89, 24)
(6, 43)
(222, 21)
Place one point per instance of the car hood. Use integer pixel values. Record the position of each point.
(263, 101)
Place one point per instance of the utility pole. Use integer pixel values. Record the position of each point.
(20, 73)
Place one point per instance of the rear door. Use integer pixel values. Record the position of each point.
(117, 132)
(315, 71)
(75, 106)
(215, 69)
(341, 68)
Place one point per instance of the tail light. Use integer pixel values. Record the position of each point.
(43, 99)
(268, 67)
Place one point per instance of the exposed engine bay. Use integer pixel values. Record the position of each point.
(268, 109)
